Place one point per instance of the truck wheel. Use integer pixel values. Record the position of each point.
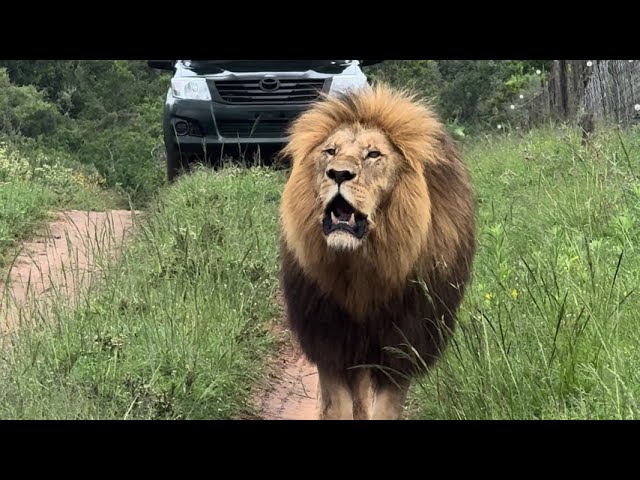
(175, 164)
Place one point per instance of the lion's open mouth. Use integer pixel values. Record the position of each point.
(340, 215)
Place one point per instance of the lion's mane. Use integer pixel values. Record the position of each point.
(405, 284)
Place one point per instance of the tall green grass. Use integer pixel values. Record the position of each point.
(549, 326)
(176, 328)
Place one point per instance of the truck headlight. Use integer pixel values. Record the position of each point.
(190, 88)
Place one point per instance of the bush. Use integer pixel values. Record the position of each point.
(473, 93)
(106, 115)
(24, 110)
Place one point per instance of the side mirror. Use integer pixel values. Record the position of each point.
(161, 64)
(367, 63)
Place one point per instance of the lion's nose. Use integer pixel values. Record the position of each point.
(340, 176)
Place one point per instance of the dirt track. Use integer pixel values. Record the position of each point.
(294, 391)
(61, 260)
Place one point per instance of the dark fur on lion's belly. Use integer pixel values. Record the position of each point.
(332, 339)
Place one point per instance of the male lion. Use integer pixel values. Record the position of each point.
(377, 241)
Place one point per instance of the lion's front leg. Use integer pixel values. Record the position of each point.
(362, 394)
(389, 400)
(334, 396)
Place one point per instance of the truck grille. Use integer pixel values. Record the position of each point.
(253, 128)
(284, 91)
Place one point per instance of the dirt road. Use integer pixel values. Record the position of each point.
(294, 389)
(60, 260)
(64, 258)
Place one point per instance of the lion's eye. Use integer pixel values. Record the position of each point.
(330, 151)
(373, 154)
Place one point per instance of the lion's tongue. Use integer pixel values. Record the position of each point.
(343, 210)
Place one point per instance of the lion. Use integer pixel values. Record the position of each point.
(376, 244)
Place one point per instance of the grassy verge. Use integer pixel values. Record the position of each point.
(548, 328)
(177, 326)
(31, 189)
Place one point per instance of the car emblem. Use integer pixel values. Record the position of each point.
(269, 84)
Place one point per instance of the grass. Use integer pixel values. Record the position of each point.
(177, 327)
(30, 189)
(548, 328)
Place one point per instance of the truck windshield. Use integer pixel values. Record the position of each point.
(204, 67)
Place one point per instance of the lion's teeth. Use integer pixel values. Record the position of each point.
(352, 220)
(334, 219)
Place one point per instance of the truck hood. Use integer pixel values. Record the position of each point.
(209, 67)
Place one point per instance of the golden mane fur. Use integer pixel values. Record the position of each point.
(424, 228)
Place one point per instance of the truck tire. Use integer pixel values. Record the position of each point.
(175, 164)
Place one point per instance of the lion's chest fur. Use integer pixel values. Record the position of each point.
(359, 288)
(352, 320)
(357, 284)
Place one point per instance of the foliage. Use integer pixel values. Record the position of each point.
(473, 93)
(105, 114)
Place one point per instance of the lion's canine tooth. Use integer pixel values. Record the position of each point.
(334, 219)
(352, 220)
